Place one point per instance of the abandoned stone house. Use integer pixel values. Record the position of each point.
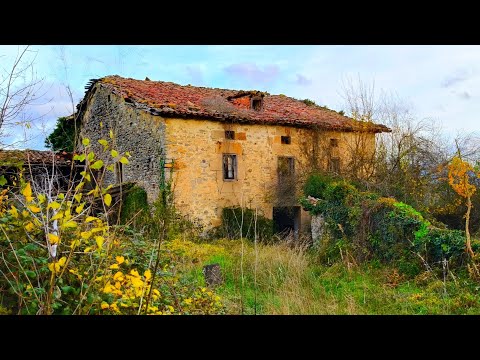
(219, 148)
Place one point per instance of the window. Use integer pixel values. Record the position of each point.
(229, 134)
(119, 172)
(333, 142)
(334, 165)
(257, 103)
(286, 140)
(286, 166)
(229, 167)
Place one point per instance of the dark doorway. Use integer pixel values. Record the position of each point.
(286, 219)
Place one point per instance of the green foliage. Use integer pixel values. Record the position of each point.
(372, 227)
(63, 135)
(309, 102)
(238, 221)
(135, 206)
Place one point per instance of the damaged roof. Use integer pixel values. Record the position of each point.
(168, 99)
(34, 157)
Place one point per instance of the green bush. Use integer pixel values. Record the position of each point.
(373, 227)
(238, 221)
(135, 206)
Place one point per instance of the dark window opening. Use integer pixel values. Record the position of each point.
(286, 140)
(119, 172)
(108, 97)
(334, 165)
(229, 166)
(334, 142)
(257, 104)
(229, 134)
(286, 166)
(286, 220)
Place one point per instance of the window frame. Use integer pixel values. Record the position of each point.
(291, 167)
(334, 165)
(256, 100)
(229, 134)
(286, 139)
(225, 169)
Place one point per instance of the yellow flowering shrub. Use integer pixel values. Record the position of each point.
(60, 256)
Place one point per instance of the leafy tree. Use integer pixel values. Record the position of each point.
(63, 136)
(458, 178)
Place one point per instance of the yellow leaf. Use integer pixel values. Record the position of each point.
(114, 266)
(97, 229)
(104, 305)
(127, 153)
(33, 208)
(27, 192)
(78, 197)
(114, 153)
(25, 213)
(147, 274)
(99, 240)
(79, 186)
(135, 273)
(85, 235)
(51, 266)
(53, 205)
(87, 177)
(90, 218)
(97, 165)
(79, 208)
(85, 141)
(29, 227)
(62, 261)
(54, 239)
(41, 198)
(69, 224)
(61, 196)
(111, 134)
(120, 259)
(103, 142)
(124, 160)
(108, 199)
(57, 216)
(101, 124)
(90, 156)
(94, 192)
(118, 276)
(87, 249)
(111, 167)
(13, 211)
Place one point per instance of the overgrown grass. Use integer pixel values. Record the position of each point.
(293, 281)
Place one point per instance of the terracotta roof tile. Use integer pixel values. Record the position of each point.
(169, 99)
(9, 157)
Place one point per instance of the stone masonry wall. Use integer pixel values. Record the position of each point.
(197, 147)
(134, 130)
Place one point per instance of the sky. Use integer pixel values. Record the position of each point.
(441, 83)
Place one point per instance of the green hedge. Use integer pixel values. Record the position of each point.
(233, 226)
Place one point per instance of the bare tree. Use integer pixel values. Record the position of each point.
(19, 88)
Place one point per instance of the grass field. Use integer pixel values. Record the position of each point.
(277, 279)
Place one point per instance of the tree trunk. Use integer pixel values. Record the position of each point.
(467, 231)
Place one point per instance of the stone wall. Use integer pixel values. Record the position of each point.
(134, 130)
